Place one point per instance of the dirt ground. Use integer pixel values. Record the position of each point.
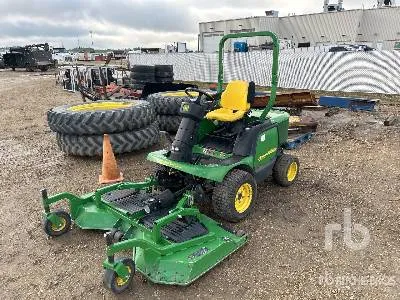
(352, 163)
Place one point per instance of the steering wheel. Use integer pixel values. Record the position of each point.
(201, 93)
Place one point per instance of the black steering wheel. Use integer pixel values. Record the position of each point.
(201, 93)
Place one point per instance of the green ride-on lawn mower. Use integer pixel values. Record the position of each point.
(221, 151)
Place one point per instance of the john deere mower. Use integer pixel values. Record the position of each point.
(221, 152)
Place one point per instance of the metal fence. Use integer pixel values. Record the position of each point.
(371, 72)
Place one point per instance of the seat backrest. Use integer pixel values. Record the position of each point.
(235, 96)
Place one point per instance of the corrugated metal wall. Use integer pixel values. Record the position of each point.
(372, 25)
(384, 25)
(377, 71)
(332, 27)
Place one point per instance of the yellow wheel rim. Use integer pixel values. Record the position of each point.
(243, 198)
(122, 281)
(56, 228)
(292, 171)
(179, 94)
(109, 105)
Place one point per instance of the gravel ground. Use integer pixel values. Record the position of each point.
(352, 163)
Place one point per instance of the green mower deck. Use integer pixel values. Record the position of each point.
(170, 245)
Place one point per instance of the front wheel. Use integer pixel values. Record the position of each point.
(233, 199)
(61, 227)
(286, 170)
(116, 283)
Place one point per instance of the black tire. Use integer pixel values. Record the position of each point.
(164, 74)
(164, 80)
(53, 231)
(164, 68)
(136, 114)
(283, 168)
(169, 123)
(225, 193)
(143, 69)
(142, 76)
(116, 284)
(44, 68)
(167, 103)
(122, 142)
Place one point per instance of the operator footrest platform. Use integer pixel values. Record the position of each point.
(178, 231)
(130, 200)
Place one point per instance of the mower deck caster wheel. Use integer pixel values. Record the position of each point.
(55, 230)
(116, 283)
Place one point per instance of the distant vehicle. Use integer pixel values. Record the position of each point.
(30, 57)
(351, 48)
(119, 54)
(60, 56)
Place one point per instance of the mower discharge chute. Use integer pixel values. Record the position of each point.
(221, 151)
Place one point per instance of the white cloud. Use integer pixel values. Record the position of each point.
(130, 23)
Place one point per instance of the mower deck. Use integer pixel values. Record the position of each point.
(172, 242)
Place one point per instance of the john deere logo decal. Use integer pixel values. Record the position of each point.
(266, 154)
(185, 107)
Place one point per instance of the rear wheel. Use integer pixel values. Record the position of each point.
(233, 199)
(286, 170)
(116, 283)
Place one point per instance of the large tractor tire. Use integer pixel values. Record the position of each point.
(164, 68)
(164, 80)
(143, 69)
(167, 103)
(100, 117)
(169, 123)
(144, 77)
(164, 74)
(122, 142)
(233, 199)
(286, 170)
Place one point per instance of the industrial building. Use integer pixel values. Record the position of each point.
(378, 27)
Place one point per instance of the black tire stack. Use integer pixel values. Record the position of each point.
(141, 74)
(164, 73)
(131, 126)
(167, 106)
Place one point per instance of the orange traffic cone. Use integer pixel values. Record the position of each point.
(110, 171)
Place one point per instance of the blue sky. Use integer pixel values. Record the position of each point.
(130, 23)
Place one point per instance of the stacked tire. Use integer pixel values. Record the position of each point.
(167, 106)
(79, 128)
(164, 73)
(141, 74)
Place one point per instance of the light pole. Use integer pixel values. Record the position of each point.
(91, 36)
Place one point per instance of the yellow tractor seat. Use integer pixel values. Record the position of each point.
(235, 102)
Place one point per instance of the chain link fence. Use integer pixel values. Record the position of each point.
(371, 72)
